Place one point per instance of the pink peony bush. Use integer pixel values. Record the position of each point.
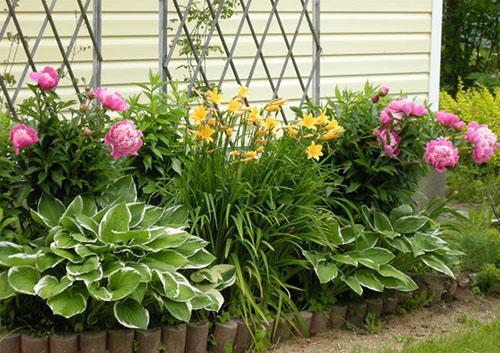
(22, 136)
(395, 120)
(441, 154)
(47, 79)
(110, 100)
(124, 138)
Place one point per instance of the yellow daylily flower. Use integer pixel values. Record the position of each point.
(211, 121)
(244, 92)
(250, 156)
(308, 121)
(322, 119)
(275, 105)
(229, 131)
(260, 149)
(234, 153)
(292, 130)
(333, 124)
(334, 133)
(199, 114)
(314, 151)
(214, 97)
(234, 106)
(254, 117)
(205, 133)
(271, 124)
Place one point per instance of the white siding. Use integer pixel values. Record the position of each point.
(386, 42)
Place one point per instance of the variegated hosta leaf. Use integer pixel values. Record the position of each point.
(131, 314)
(69, 303)
(179, 310)
(123, 282)
(7, 249)
(23, 279)
(116, 220)
(199, 260)
(6, 291)
(46, 260)
(49, 286)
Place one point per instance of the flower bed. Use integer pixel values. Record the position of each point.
(146, 214)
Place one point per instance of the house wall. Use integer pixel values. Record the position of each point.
(387, 42)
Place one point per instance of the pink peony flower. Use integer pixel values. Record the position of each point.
(390, 140)
(111, 100)
(47, 79)
(450, 120)
(124, 139)
(384, 91)
(22, 136)
(484, 140)
(375, 99)
(387, 116)
(441, 154)
(407, 107)
(91, 94)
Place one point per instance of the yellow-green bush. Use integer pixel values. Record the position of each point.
(474, 104)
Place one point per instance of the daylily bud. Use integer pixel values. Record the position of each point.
(91, 94)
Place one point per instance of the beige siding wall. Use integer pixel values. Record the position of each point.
(386, 42)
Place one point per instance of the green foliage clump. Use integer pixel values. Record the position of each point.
(479, 240)
(159, 117)
(362, 175)
(112, 261)
(70, 159)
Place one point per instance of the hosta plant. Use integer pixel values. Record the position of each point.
(114, 255)
(382, 252)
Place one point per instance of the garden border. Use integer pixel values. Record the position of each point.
(195, 337)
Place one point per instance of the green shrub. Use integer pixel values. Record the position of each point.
(159, 117)
(358, 168)
(70, 159)
(256, 199)
(123, 260)
(381, 253)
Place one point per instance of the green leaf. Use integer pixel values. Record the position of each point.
(409, 224)
(117, 219)
(23, 279)
(217, 300)
(380, 256)
(51, 209)
(181, 311)
(326, 271)
(429, 243)
(46, 261)
(354, 284)
(199, 260)
(435, 263)
(345, 259)
(123, 282)
(131, 314)
(366, 279)
(123, 190)
(7, 249)
(6, 291)
(382, 222)
(68, 303)
(90, 264)
(49, 286)
(152, 214)
(401, 211)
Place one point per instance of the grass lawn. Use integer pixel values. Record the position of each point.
(476, 339)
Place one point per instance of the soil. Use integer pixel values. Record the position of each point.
(398, 330)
